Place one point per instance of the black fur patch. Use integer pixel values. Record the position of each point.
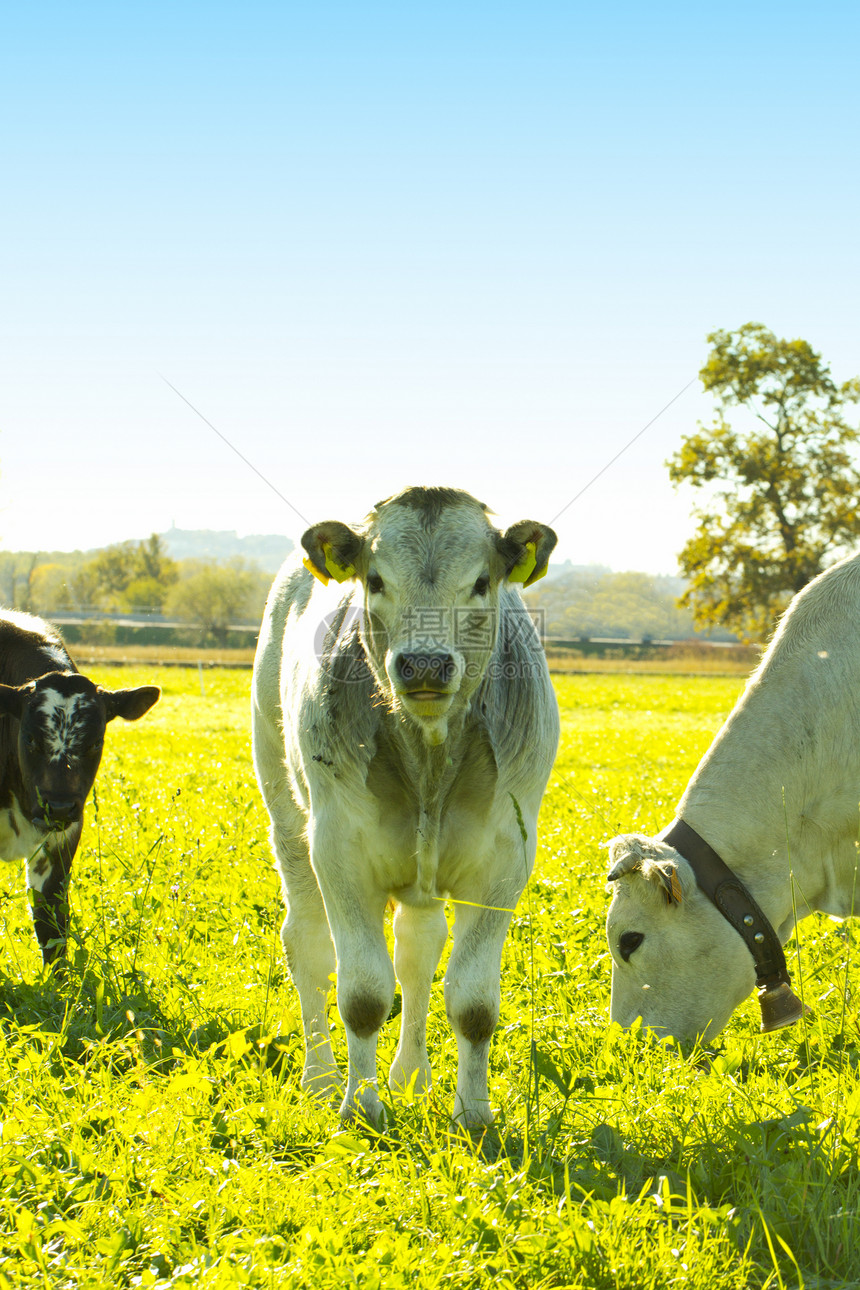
(364, 1014)
(477, 1023)
(431, 503)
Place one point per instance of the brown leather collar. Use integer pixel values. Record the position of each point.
(734, 901)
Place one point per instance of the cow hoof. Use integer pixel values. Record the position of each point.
(407, 1085)
(473, 1119)
(323, 1084)
(364, 1108)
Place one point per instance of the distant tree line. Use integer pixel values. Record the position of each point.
(593, 602)
(137, 577)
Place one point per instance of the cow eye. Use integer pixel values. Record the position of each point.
(628, 942)
(375, 585)
(32, 745)
(481, 585)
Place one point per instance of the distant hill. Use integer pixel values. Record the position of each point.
(268, 550)
(561, 568)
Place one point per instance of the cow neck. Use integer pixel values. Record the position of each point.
(733, 899)
(429, 768)
(429, 771)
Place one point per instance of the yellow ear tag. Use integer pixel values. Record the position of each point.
(340, 572)
(311, 568)
(523, 570)
(537, 575)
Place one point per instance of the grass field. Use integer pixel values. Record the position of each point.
(153, 1130)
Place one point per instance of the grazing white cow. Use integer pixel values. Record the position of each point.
(394, 721)
(776, 798)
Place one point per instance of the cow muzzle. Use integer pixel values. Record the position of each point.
(53, 815)
(424, 677)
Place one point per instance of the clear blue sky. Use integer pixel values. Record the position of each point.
(378, 244)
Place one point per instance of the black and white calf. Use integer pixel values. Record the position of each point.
(52, 728)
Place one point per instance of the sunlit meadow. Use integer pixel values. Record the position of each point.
(153, 1129)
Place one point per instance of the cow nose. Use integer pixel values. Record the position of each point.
(58, 812)
(428, 669)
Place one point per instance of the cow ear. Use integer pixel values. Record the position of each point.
(625, 856)
(633, 854)
(525, 548)
(13, 698)
(666, 874)
(333, 550)
(129, 704)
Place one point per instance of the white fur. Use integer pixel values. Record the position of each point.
(57, 655)
(776, 795)
(18, 837)
(62, 718)
(21, 840)
(35, 626)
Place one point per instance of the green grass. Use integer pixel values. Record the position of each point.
(154, 1133)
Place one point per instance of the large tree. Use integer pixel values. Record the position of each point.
(213, 595)
(782, 485)
(128, 575)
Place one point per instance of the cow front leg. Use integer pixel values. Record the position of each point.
(419, 938)
(472, 1003)
(48, 883)
(365, 993)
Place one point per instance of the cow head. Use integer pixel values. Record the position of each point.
(62, 719)
(432, 567)
(676, 962)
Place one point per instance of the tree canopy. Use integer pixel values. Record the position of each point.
(128, 575)
(782, 485)
(213, 595)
